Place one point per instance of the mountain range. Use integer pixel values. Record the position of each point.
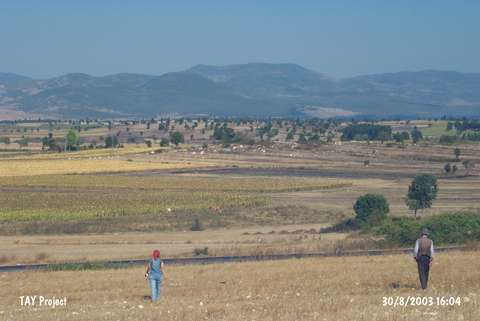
(253, 89)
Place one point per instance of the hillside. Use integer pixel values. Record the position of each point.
(9, 79)
(254, 89)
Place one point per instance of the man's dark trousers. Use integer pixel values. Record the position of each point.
(423, 263)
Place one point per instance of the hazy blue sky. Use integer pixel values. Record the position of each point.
(47, 38)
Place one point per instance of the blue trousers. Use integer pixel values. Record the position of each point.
(155, 286)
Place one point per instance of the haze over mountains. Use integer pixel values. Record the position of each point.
(254, 89)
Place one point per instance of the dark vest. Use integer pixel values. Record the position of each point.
(424, 245)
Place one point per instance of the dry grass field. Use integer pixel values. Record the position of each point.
(234, 241)
(455, 195)
(328, 289)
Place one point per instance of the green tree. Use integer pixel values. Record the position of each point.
(447, 168)
(457, 153)
(72, 140)
(197, 225)
(48, 142)
(164, 142)
(302, 139)
(289, 136)
(371, 209)
(111, 141)
(401, 137)
(454, 169)
(176, 138)
(416, 135)
(421, 192)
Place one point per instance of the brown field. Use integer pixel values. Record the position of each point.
(330, 289)
(247, 188)
(234, 241)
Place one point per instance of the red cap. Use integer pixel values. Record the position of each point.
(156, 254)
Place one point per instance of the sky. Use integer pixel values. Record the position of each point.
(48, 38)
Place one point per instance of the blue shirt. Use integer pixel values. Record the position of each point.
(155, 269)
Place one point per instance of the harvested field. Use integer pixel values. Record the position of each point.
(235, 241)
(307, 289)
(77, 166)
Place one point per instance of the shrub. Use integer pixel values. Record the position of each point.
(454, 227)
(371, 209)
(200, 251)
(5, 140)
(41, 256)
(447, 140)
(177, 138)
(400, 230)
(197, 225)
(347, 225)
(164, 142)
(449, 228)
(401, 137)
(111, 141)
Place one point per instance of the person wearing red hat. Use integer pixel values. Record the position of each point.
(155, 273)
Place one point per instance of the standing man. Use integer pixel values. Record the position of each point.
(423, 254)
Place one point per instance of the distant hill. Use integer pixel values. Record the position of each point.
(426, 92)
(254, 89)
(8, 79)
(268, 80)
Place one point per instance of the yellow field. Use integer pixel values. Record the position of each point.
(330, 289)
(80, 166)
(260, 184)
(130, 158)
(89, 153)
